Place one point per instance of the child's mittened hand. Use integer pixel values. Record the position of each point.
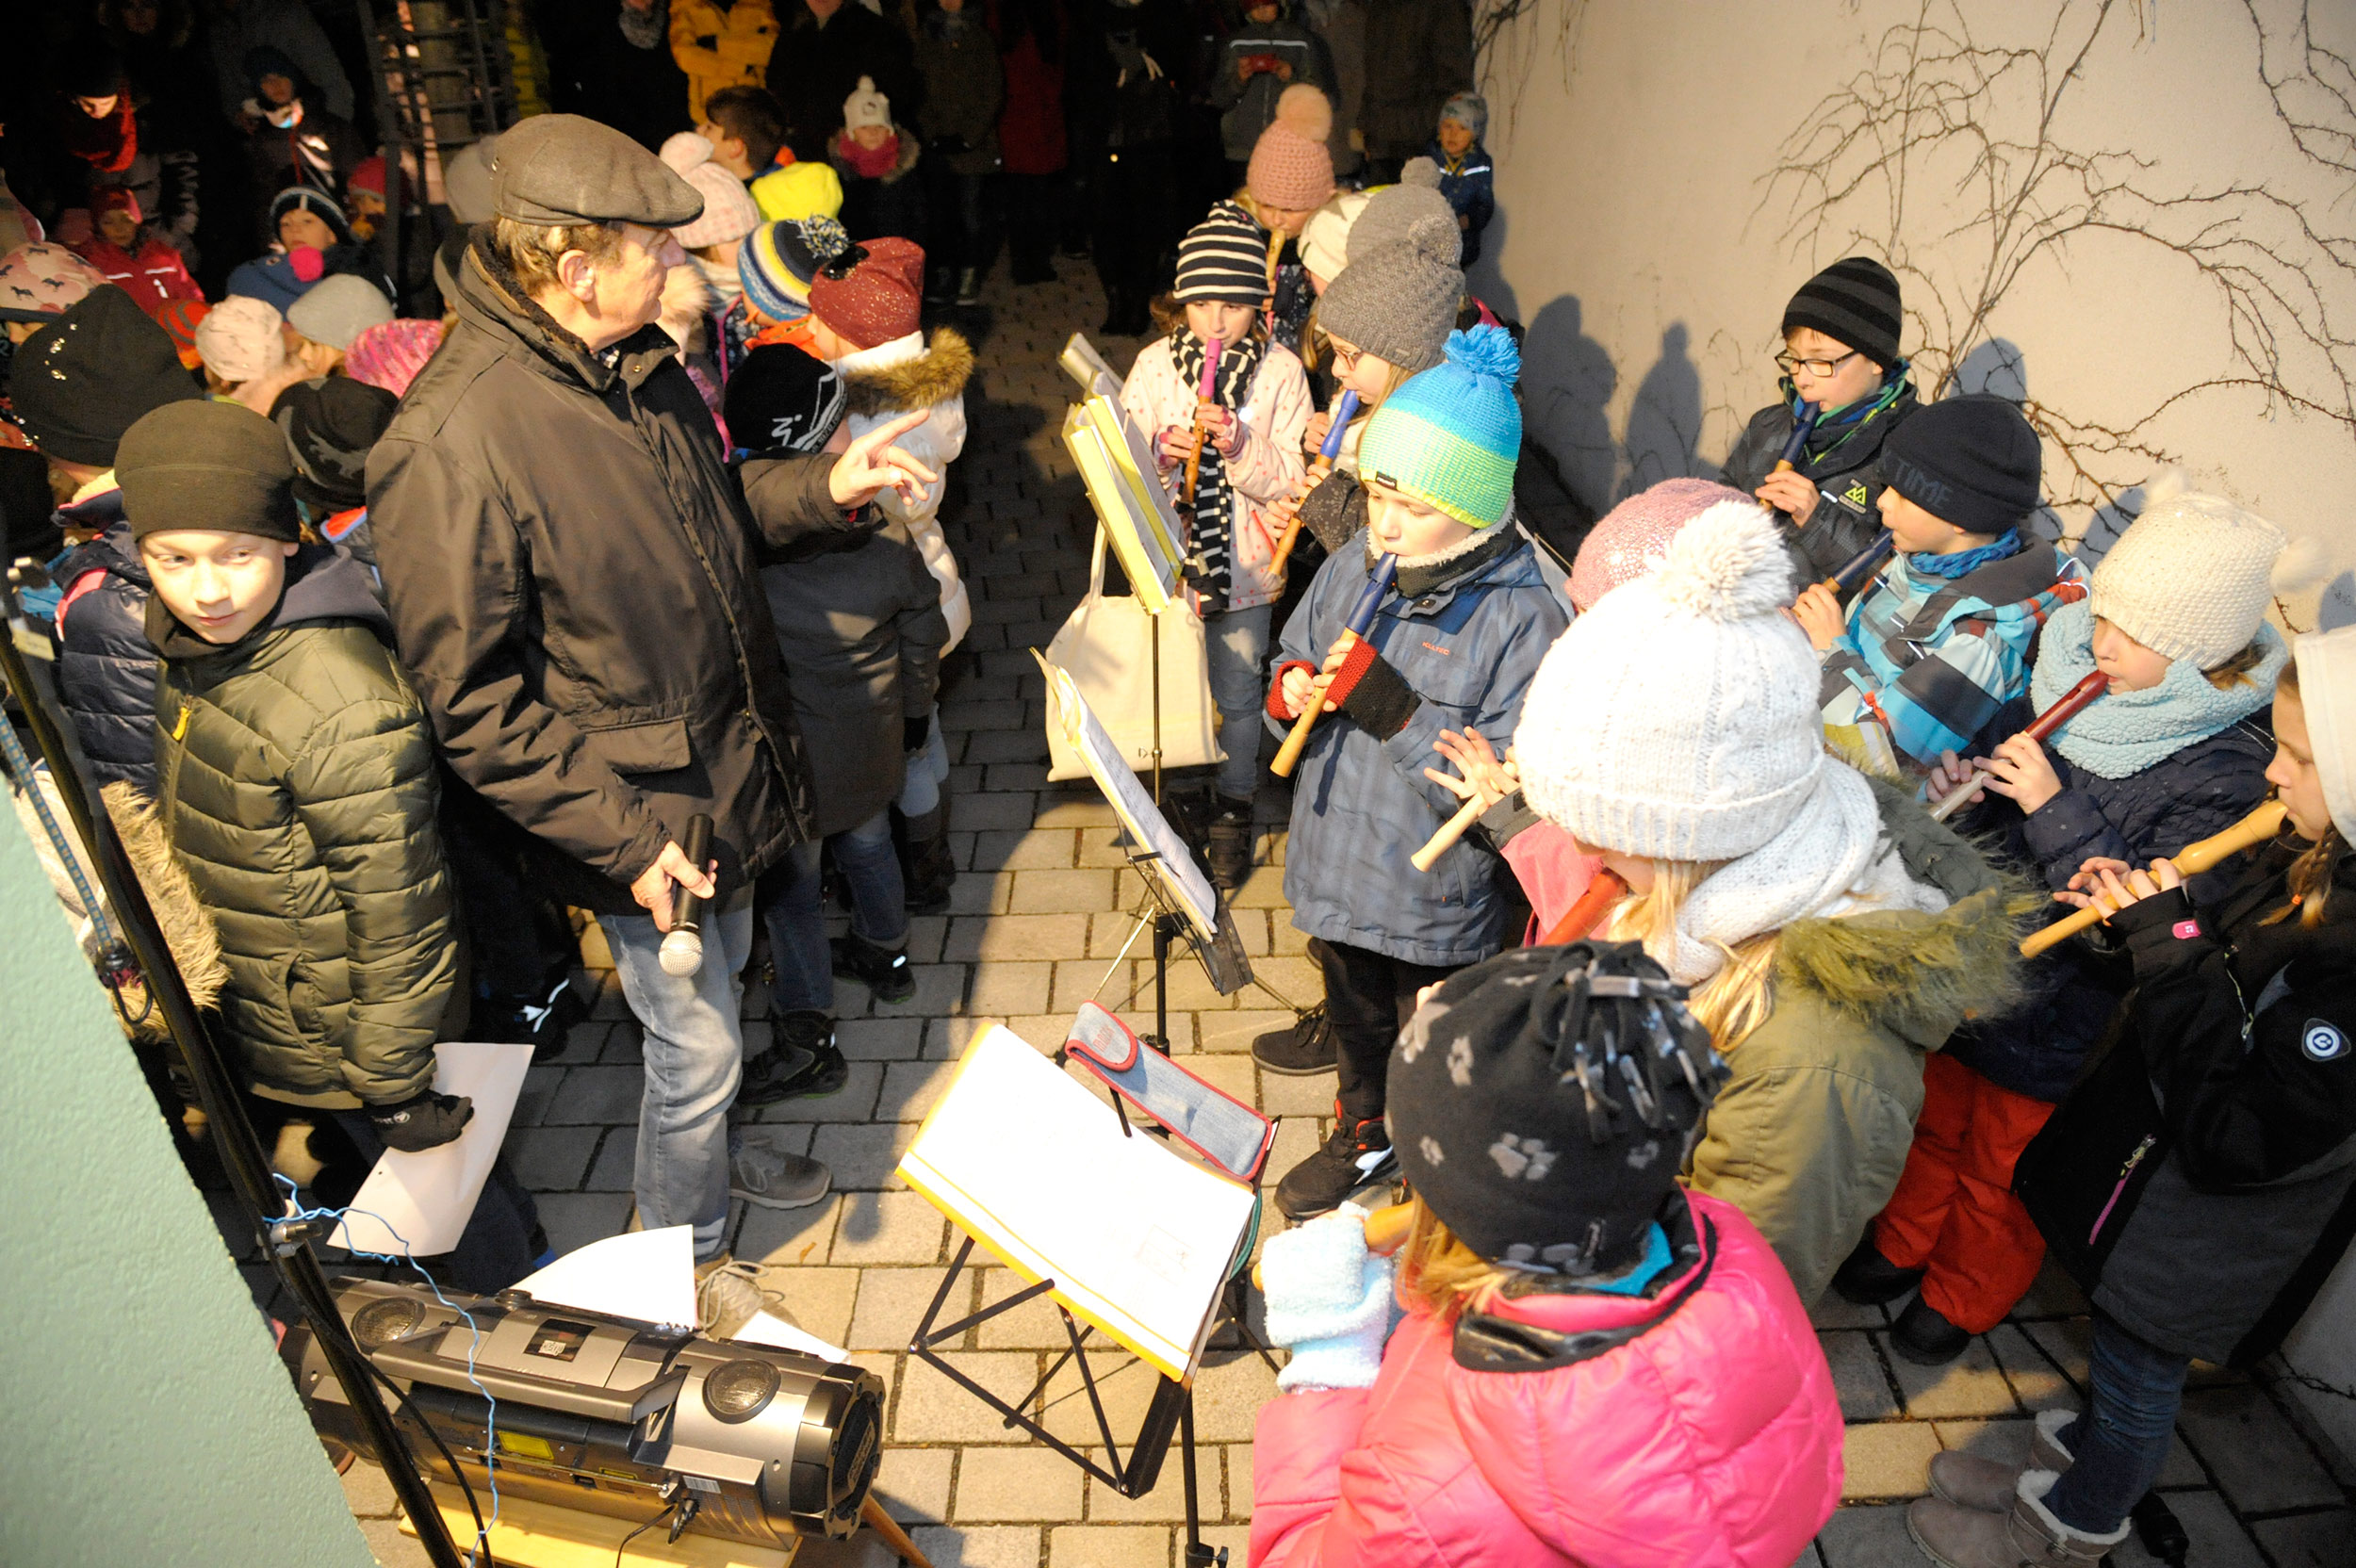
(2023, 773)
(1789, 494)
(1818, 610)
(1329, 1299)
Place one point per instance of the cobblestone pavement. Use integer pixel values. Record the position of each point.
(1041, 911)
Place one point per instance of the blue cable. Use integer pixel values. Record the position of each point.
(490, 1435)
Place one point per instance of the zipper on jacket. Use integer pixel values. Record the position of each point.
(2125, 1173)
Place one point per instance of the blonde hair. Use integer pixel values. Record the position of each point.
(531, 251)
(1731, 1003)
(2235, 670)
(2309, 877)
(1439, 1274)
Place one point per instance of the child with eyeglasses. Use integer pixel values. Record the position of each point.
(1840, 361)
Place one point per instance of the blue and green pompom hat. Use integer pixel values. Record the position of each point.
(778, 261)
(1450, 435)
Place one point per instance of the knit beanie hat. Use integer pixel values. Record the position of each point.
(1543, 1101)
(2327, 696)
(369, 175)
(728, 211)
(781, 399)
(1854, 302)
(42, 281)
(866, 107)
(1399, 304)
(330, 424)
(207, 464)
(683, 149)
(180, 319)
(311, 198)
(335, 310)
(1972, 460)
(1632, 539)
(1325, 237)
(1449, 437)
(467, 181)
(116, 198)
(2192, 575)
(1394, 210)
(811, 189)
(878, 297)
(1290, 167)
(778, 261)
(1470, 110)
(1225, 257)
(82, 381)
(391, 353)
(240, 339)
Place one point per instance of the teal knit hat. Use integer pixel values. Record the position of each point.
(1449, 437)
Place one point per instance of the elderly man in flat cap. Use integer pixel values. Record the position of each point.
(572, 582)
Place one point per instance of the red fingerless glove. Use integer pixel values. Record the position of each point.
(1276, 708)
(1370, 692)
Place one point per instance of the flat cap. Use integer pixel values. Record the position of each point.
(556, 169)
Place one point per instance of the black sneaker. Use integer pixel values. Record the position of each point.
(1307, 1048)
(1357, 1154)
(539, 1021)
(1869, 1279)
(1924, 1336)
(884, 970)
(1230, 847)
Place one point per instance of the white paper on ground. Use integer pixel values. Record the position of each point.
(766, 1329)
(424, 1199)
(646, 1276)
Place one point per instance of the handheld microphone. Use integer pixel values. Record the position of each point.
(683, 952)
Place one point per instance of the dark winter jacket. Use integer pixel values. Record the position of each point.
(815, 67)
(105, 666)
(964, 92)
(1469, 184)
(1031, 47)
(1122, 84)
(1843, 460)
(1419, 57)
(1248, 102)
(2200, 1183)
(296, 777)
(2071, 994)
(861, 632)
(571, 577)
(1468, 644)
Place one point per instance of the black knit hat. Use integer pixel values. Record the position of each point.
(781, 399)
(1972, 460)
(1855, 302)
(1541, 1103)
(207, 464)
(1225, 257)
(80, 383)
(314, 200)
(330, 424)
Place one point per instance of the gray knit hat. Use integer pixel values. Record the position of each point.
(1470, 110)
(1391, 216)
(335, 310)
(1399, 304)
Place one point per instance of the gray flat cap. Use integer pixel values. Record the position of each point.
(563, 169)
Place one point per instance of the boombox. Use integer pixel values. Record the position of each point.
(610, 1416)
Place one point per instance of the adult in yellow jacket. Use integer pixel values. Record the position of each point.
(721, 45)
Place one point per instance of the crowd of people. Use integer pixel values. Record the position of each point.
(426, 636)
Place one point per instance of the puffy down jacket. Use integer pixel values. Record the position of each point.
(1694, 1425)
(105, 666)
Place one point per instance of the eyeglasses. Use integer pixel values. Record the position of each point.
(1788, 363)
(1345, 357)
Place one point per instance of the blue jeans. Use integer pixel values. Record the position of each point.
(796, 917)
(2118, 1443)
(694, 1051)
(1237, 651)
(929, 770)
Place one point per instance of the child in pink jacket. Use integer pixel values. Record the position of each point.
(1597, 1367)
(1250, 460)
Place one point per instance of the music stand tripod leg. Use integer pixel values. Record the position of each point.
(1197, 1554)
(872, 1514)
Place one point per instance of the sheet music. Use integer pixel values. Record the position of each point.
(1036, 1169)
(1083, 363)
(425, 1199)
(1117, 468)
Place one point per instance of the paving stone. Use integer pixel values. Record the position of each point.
(1016, 1483)
(582, 1042)
(2261, 1462)
(1868, 1538)
(1124, 1383)
(1263, 890)
(939, 989)
(574, 1220)
(933, 1409)
(1024, 849)
(1166, 1503)
(1051, 892)
(1107, 1546)
(910, 1090)
(1858, 1377)
(983, 1546)
(1027, 937)
(1081, 811)
(595, 1094)
(1235, 1031)
(864, 1156)
(914, 1484)
(1238, 1480)
(888, 1227)
(1005, 989)
(1287, 1094)
(2036, 1383)
(1831, 1312)
(864, 1040)
(789, 1237)
(1035, 1325)
(1887, 1459)
(553, 1159)
(1003, 810)
(2325, 1540)
(539, 1090)
(818, 1300)
(1968, 1385)
(892, 1302)
(1229, 1390)
(2064, 1341)
(1103, 846)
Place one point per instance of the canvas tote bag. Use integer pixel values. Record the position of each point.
(1108, 649)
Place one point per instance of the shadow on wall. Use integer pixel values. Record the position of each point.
(1567, 383)
(2001, 367)
(1665, 421)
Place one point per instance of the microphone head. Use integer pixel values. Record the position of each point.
(682, 954)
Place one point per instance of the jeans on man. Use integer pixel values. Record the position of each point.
(2120, 1442)
(796, 917)
(1238, 652)
(694, 1050)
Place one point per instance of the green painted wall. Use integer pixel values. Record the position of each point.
(147, 1420)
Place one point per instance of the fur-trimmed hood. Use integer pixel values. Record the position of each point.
(907, 373)
(1917, 974)
(180, 914)
(687, 298)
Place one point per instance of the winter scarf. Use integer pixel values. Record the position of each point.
(106, 144)
(1237, 364)
(2125, 732)
(1831, 860)
(1833, 429)
(1963, 563)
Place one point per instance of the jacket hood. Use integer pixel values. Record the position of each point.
(933, 374)
(324, 582)
(1915, 973)
(490, 298)
(110, 552)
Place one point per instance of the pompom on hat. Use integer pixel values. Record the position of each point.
(1325, 237)
(1632, 539)
(683, 149)
(2192, 575)
(779, 261)
(1290, 166)
(1394, 210)
(1450, 436)
(866, 106)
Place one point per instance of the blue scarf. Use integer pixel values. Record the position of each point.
(2124, 732)
(1965, 562)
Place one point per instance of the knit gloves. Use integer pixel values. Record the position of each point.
(1329, 1299)
(1367, 688)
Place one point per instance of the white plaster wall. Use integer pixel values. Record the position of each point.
(1639, 241)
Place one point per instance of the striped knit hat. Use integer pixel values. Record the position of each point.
(1854, 302)
(1449, 437)
(1225, 257)
(778, 261)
